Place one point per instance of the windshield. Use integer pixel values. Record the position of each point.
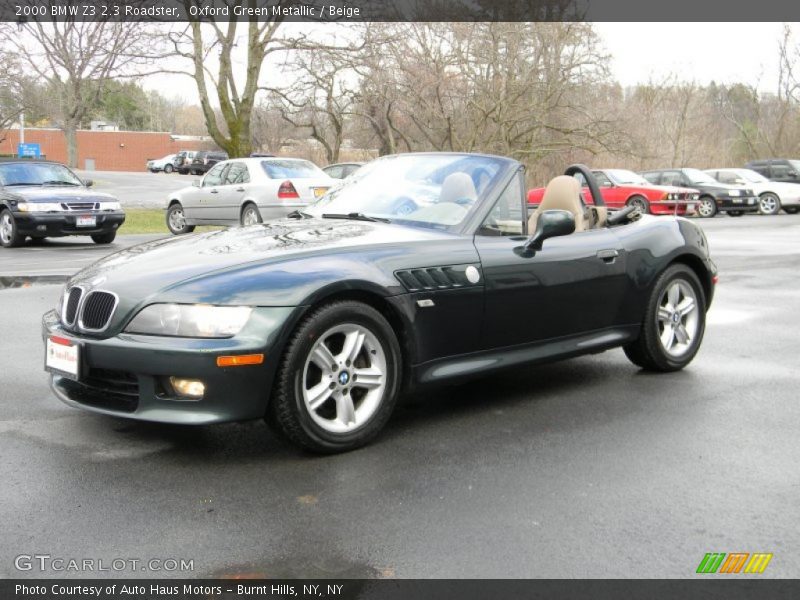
(36, 174)
(422, 190)
(697, 176)
(751, 176)
(285, 169)
(625, 177)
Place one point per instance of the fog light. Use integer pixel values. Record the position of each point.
(188, 388)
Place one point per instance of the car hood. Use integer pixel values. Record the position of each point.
(140, 271)
(38, 193)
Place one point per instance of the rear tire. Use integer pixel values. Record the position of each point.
(176, 221)
(168, 169)
(338, 380)
(769, 204)
(641, 203)
(9, 235)
(104, 238)
(674, 322)
(250, 215)
(707, 207)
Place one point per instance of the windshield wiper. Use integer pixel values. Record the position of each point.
(58, 182)
(22, 183)
(299, 214)
(355, 216)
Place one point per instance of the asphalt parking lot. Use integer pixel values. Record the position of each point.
(138, 189)
(584, 468)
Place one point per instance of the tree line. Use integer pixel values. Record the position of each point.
(542, 93)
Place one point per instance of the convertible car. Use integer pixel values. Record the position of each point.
(318, 321)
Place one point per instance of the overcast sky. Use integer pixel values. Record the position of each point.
(700, 52)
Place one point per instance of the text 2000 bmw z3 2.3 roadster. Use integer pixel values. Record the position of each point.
(420, 268)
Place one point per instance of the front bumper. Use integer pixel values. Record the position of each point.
(737, 203)
(128, 375)
(61, 224)
(683, 208)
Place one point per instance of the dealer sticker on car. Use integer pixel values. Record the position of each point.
(62, 357)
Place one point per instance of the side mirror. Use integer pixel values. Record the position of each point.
(196, 183)
(551, 223)
(88, 182)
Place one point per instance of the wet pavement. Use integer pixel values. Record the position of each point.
(583, 468)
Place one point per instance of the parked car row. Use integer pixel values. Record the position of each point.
(687, 191)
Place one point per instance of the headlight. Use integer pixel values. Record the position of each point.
(734, 192)
(695, 196)
(190, 320)
(39, 206)
(110, 206)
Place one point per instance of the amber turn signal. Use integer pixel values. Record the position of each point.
(240, 360)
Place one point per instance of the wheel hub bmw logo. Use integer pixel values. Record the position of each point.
(676, 318)
(344, 378)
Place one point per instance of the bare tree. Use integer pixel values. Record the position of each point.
(76, 60)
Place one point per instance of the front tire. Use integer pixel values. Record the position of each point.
(104, 238)
(176, 221)
(9, 235)
(168, 169)
(707, 207)
(769, 204)
(641, 203)
(339, 378)
(674, 322)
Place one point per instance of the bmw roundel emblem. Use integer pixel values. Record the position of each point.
(344, 378)
(473, 275)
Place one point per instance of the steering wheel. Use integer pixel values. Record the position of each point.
(591, 183)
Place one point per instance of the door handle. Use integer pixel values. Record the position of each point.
(215, 191)
(607, 256)
(240, 189)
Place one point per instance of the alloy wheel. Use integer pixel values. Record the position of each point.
(768, 204)
(6, 228)
(677, 318)
(250, 217)
(706, 208)
(344, 378)
(177, 221)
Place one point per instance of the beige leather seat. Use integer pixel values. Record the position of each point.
(562, 193)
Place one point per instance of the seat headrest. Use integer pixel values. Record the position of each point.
(562, 193)
(458, 186)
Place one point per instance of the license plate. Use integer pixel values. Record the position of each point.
(63, 357)
(737, 200)
(87, 221)
(319, 191)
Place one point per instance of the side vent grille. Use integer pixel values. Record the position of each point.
(433, 278)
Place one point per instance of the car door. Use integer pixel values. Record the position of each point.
(574, 285)
(613, 195)
(207, 209)
(230, 193)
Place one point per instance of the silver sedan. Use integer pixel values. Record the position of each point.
(246, 191)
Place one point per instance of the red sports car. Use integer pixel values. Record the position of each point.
(620, 188)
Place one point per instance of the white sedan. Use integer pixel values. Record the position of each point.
(772, 195)
(166, 164)
(246, 191)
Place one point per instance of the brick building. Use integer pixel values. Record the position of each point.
(106, 150)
